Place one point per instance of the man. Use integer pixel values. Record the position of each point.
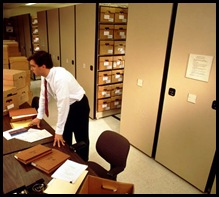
(72, 103)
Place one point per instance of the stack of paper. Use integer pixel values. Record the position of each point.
(69, 171)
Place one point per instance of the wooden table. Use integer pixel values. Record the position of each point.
(17, 174)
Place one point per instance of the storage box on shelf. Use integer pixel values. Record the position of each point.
(111, 59)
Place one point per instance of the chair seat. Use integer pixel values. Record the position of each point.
(100, 171)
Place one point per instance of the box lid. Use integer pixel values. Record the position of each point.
(11, 74)
(18, 59)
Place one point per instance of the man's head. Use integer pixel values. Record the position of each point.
(40, 63)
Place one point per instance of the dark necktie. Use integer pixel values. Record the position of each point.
(46, 99)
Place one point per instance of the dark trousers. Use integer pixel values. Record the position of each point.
(78, 123)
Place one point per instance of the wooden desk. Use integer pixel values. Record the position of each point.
(14, 145)
(17, 174)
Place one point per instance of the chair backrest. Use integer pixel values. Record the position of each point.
(113, 147)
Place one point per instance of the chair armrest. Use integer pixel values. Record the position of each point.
(77, 146)
(113, 172)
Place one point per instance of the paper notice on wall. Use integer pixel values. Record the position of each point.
(199, 67)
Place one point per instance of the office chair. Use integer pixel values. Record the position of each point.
(35, 102)
(114, 149)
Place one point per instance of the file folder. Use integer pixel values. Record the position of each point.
(31, 154)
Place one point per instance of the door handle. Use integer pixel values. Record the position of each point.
(172, 92)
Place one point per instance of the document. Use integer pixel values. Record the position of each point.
(69, 171)
(33, 135)
(8, 136)
(28, 134)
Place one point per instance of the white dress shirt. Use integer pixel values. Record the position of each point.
(65, 89)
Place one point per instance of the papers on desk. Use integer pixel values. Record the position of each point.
(31, 135)
(69, 171)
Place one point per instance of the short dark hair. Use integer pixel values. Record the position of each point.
(42, 57)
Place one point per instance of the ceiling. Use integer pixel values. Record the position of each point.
(42, 5)
(53, 5)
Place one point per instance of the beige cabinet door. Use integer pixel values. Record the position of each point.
(187, 137)
(146, 43)
(42, 30)
(67, 38)
(85, 49)
(53, 35)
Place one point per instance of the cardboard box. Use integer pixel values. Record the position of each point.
(104, 77)
(5, 52)
(104, 91)
(15, 78)
(13, 48)
(10, 99)
(119, 32)
(117, 76)
(105, 63)
(5, 66)
(97, 185)
(106, 32)
(121, 15)
(103, 104)
(116, 102)
(23, 94)
(19, 63)
(106, 47)
(107, 14)
(107, 9)
(116, 89)
(119, 47)
(118, 62)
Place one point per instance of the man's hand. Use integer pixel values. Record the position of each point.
(58, 140)
(35, 121)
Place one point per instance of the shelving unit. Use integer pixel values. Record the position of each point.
(35, 41)
(35, 35)
(112, 25)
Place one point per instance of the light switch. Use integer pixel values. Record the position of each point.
(140, 82)
(192, 98)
